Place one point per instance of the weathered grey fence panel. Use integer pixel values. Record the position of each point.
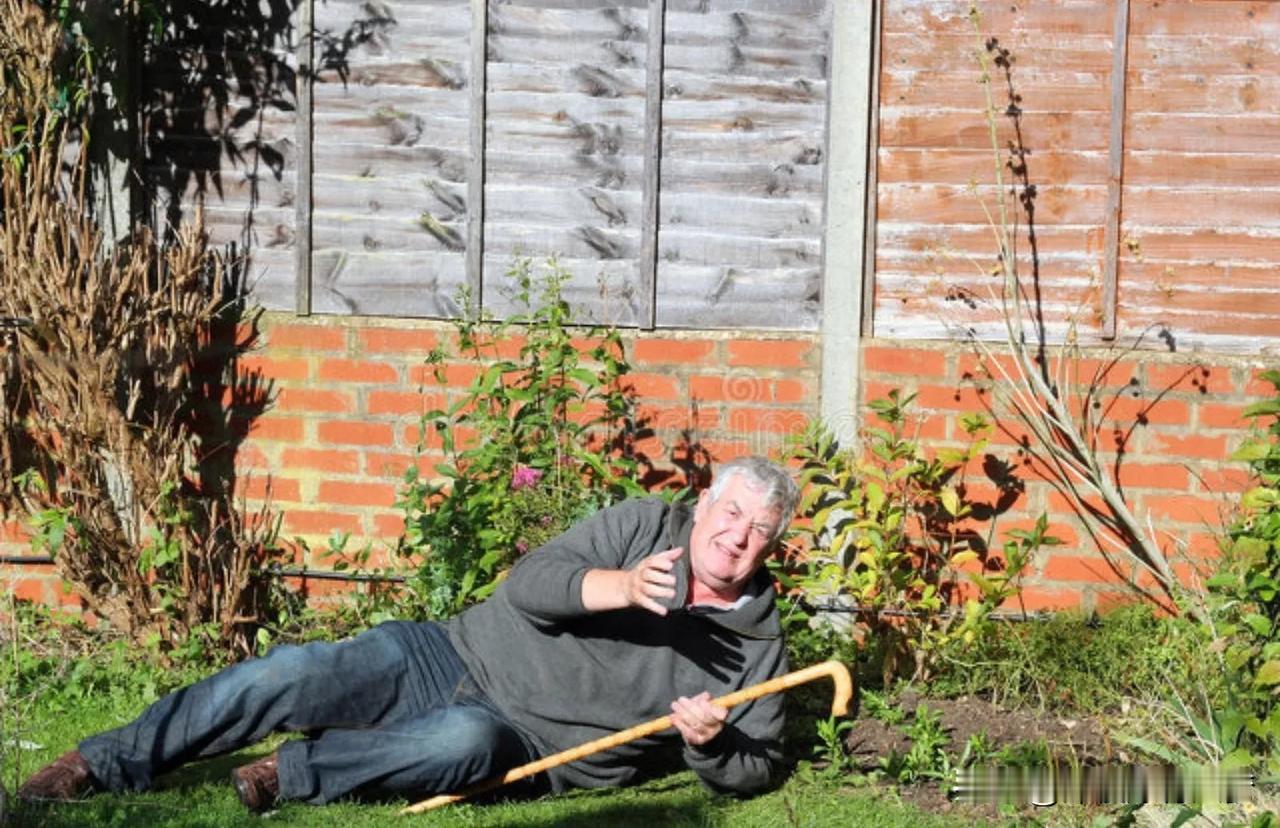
(570, 114)
(391, 139)
(744, 88)
(220, 108)
(566, 84)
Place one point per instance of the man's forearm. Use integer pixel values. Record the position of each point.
(604, 589)
(645, 585)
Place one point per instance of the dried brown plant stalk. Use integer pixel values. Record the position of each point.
(1046, 400)
(121, 365)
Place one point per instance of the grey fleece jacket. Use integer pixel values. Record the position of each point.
(566, 676)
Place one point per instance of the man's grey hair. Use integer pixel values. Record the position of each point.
(763, 475)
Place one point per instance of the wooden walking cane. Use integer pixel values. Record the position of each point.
(839, 707)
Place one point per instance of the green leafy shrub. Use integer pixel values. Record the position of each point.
(546, 443)
(1245, 598)
(889, 532)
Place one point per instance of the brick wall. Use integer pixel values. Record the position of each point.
(1169, 424)
(348, 394)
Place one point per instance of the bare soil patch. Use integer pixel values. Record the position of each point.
(1080, 740)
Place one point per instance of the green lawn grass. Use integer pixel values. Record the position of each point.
(201, 795)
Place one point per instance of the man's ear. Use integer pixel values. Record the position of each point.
(704, 502)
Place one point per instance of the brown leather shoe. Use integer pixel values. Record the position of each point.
(64, 779)
(257, 784)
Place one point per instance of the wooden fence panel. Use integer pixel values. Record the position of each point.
(934, 245)
(573, 123)
(1201, 217)
(218, 107)
(1198, 240)
(564, 147)
(743, 120)
(390, 148)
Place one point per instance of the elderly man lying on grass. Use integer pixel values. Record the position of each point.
(644, 609)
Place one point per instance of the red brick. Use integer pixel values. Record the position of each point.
(927, 428)
(13, 531)
(748, 421)
(672, 351)
(339, 462)
(311, 522)
(307, 337)
(1007, 432)
(1199, 379)
(276, 429)
(456, 375)
(793, 391)
(388, 525)
(306, 399)
(1224, 480)
(1153, 476)
(734, 388)
(1073, 568)
(1200, 510)
(357, 494)
(722, 450)
(35, 589)
(875, 390)
(675, 419)
(1259, 387)
(355, 432)
(397, 341)
(1218, 415)
(909, 361)
(1060, 504)
(395, 464)
(358, 370)
(67, 597)
(586, 344)
(259, 486)
(777, 353)
(1159, 412)
(952, 398)
(1195, 446)
(651, 447)
(1036, 598)
(1204, 546)
(271, 368)
(1097, 373)
(402, 402)
(652, 386)
(250, 457)
(508, 347)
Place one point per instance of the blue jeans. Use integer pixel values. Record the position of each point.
(390, 711)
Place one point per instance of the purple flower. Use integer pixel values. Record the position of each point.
(524, 477)
(521, 547)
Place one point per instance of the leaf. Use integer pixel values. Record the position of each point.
(1260, 409)
(1267, 675)
(1251, 450)
(962, 558)
(950, 501)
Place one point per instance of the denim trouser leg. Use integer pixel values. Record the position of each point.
(396, 673)
(440, 751)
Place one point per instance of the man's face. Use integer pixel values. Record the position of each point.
(731, 536)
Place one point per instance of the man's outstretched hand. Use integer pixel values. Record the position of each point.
(698, 719)
(644, 585)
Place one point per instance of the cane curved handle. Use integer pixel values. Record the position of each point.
(837, 672)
